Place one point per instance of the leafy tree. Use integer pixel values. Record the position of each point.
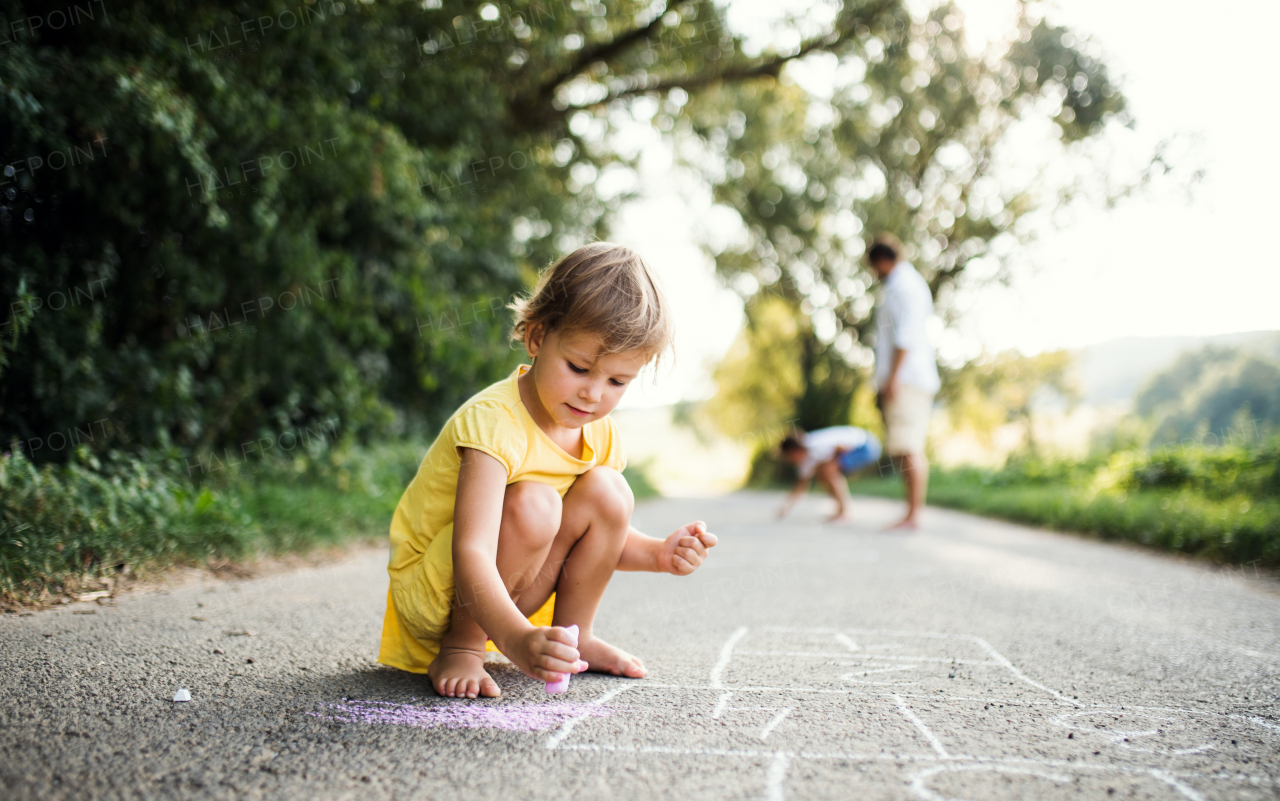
(767, 345)
(911, 139)
(440, 153)
(271, 215)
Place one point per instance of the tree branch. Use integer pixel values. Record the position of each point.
(602, 52)
(771, 67)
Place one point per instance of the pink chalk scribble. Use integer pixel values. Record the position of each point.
(525, 717)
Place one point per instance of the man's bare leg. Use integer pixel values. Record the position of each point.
(531, 514)
(915, 475)
(834, 483)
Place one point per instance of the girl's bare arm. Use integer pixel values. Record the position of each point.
(679, 554)
(477, 518)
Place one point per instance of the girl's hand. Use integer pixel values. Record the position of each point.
(546, 653)
(683, 552)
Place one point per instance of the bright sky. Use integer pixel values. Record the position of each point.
(1156, 265)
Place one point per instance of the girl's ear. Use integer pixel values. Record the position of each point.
(533, 339)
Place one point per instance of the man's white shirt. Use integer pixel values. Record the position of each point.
(904, 311)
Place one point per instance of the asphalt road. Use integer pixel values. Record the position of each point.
(975, 660)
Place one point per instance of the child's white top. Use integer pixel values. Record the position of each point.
(823, 442)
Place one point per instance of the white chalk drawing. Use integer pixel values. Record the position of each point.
(860, 664)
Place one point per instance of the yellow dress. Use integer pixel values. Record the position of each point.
(421, 566)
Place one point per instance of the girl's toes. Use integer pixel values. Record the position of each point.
(635, 669)
(471, 688)
(489, 688)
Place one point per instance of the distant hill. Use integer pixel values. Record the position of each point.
(1115, 371)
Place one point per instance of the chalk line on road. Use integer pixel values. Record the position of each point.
(726, 653)
(910, 715)
(998, 658)
(774, 789)
(1185, 791)
(721, 705)
(1050, 769)
(565, 728)
(773, 724)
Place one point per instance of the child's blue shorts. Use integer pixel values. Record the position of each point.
(860, 457)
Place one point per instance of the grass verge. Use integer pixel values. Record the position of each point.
(83, 526)
(1240, 529)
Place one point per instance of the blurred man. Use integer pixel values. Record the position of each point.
(831, 454)
(906, 373)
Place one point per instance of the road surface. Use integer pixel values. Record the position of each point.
(976, 660)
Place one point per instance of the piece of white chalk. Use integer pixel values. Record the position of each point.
(563, 684)
(183, 694)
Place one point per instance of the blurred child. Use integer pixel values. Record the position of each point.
(519, 514)
(831, 454)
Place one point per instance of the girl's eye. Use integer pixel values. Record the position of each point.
(576, 368)
(617, 383)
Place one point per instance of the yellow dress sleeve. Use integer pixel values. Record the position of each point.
(613, 456)
(493, 429)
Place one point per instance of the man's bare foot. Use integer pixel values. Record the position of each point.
(906, 524)
(601, 657)
(460, 673)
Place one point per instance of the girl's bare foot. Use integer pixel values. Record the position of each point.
(841, 516)
(601, 657)
(460, 673)
(908, 523)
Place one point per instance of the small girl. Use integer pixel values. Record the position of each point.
(519, 514)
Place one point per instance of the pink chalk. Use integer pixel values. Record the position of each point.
(563, 684)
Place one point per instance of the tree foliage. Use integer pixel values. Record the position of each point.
(912, 139)
(1004, 388)
(259, 236)
(276, 214)
(1225, 392)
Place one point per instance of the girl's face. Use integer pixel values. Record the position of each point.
(574, 381)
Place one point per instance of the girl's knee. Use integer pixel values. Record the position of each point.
(532, 509)
(608, 492)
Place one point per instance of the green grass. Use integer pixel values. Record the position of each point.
(1222, 526)
(65, 528)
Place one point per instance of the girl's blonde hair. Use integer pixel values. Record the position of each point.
(602, 289)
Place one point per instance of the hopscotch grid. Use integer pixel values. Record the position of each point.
(854, 756)
(848, 655)
(1098, 705)
(781, 760)
(860, 691)
(992, 652)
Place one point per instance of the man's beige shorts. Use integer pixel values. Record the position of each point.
(906, 420)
